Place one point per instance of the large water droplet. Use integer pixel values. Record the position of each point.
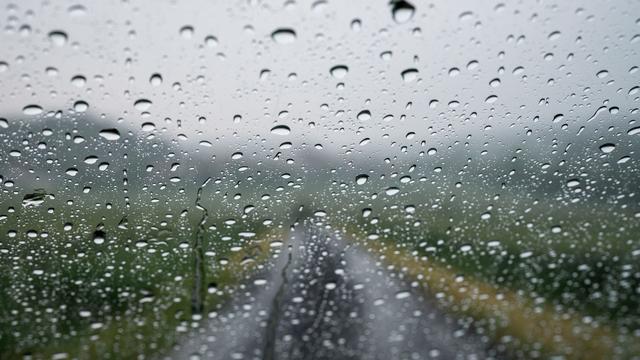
(186, 31)
(362, 179)
(32, 110)
(281, 130)
(80, 106)
(402, 11)
(607, 148)
(110, 134)
(392, 191)
(339, 71)
(409, 75)
(364, 115)
(283, 36)
(155, 79)
(58, 38)
(142, 104)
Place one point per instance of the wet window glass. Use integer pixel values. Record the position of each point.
(293, 179)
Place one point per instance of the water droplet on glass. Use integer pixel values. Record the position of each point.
(362, 179)
(607, 148)
(283, 36)
(186, 31)
(364, 115)
(409, 75)
(142, 104)
(99, 237)
(58, 38)
(78, 80)
(110, 134)
(392, 191)
(32, 110)
(554, 35)
(402, 11)
(155, 79)
(280, 130)
(339, 71)
(77, 10)
(80, 106)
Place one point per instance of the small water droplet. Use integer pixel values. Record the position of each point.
(77, 10)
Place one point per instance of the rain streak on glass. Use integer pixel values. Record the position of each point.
(320, 179)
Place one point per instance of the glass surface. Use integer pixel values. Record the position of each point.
(319, 179)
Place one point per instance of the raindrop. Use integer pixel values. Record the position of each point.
(339, 71)
(142, 104)
(58, 38)
(77, 10)
(148, 126)
(362, 179)
(491, 99)
(402, 11)
(110, 134)
(186, 31)
(32, 110)
(236, 156)
(283, 35)
(80, 106)
(99, 237)
(356, 24)
(573, 183)
(607, 148)
(409, 75)
(211, 41)
(155, 79)
(364, 115)
(392, 191)
(78, 80)
(281, 130)
(554, 35)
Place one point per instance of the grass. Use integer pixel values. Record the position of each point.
(536, 329)
(63, 294)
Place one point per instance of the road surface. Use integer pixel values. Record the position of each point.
(324, 298)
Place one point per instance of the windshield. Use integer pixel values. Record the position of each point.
(319, 179)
